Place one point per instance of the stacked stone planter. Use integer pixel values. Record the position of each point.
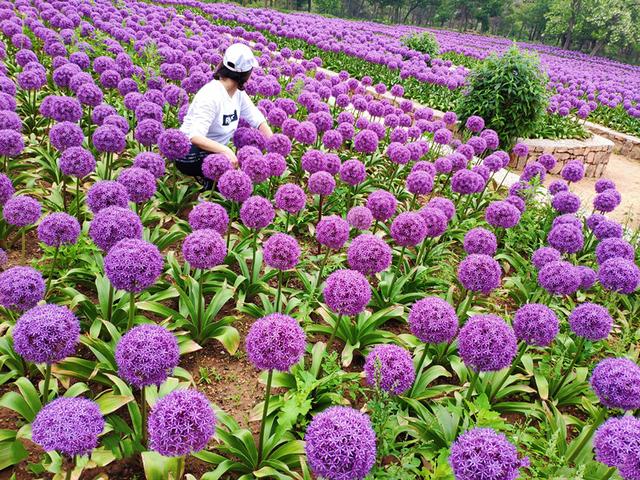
(625, 144)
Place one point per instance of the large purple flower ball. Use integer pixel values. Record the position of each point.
(46, 334)
(616, 382)
(204, 248)
(77, 162)
(408, 229)
(566, 238)
(333, 232)
(11, 143)
(257, 212)
(6, 189)
(616, 439)
(502, 214)
(445, 205)
(69, 426)
(591, 321)
(146, 355)
(382, 205)
(21, 211)
(545, 255)
(614, 248)
(482, 453)
(209, 215)
(107, 193)
(112, 224)
(58, 228)
(566, 202)
(369, 254)
(480, 240)
(181, 423)
(133, 265)
(390, 368)
(173, 144)
(235, 185)
(340, 444)
(353, 172)
(281, 251)
(321, 183)
(573, 171)
(560, 278)
(213, 166)
(347, 292)
(433, 320)
(360, 218)
(486, 343)
(275, 342)
(140, 183)
(619, 275)
(479, 273)
(65, 135)
(109, 139)
(290, 198)
(536, 324)
(151, 162)
(21, 288)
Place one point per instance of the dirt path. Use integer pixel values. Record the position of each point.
(626, 175)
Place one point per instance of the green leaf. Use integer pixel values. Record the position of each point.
(158, 467)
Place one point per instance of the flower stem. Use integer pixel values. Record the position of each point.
(419, 369)
(265, 411)
(64, 193)
(333, 333)
(253, 255)
(472, 386)
(24, 244)
(110, 304)
(180, 468)
(609, 473)
(53, 269)
(78, 199)
(286, 224)
(200, 304)
(143, 414)
(132, 310)
(322, 264)
(494, 391)
(579, 349)
(598, 420)
(279, 294)
(47, 380)
(320, 208)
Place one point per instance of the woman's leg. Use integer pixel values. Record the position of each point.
(192, 165)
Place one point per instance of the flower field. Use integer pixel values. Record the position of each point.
(371, 294)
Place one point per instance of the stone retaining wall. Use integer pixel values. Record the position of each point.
(594, 152)
(625, 144)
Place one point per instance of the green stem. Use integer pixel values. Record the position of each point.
(579, 349)
(419, 369)
(110, 305)
(609, 473)
(333, 333)
(200, 304)
(24, 244)
(64, 193)
(143, 414)
(53, 269)
(375, 228)
(599, 418)
(413, 202)
(69, 471)
(472, 386)
(286, 224)
(322, 264)
(132, 310)
(253, 255)
(279, 294)
(47, 380)
(180, 468)
(265, 411)
(494, 391)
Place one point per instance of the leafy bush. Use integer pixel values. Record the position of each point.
(509, 92)
(424, 42)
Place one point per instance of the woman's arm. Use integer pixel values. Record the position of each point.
(212, 146)
(265, 129)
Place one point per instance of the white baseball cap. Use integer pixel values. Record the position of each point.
(239, 58)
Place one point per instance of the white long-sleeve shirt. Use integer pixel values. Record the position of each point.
(215, 115)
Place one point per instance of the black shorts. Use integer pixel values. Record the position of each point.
(191, 165)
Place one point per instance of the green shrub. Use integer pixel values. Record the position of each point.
(509, 92)
(424, 42)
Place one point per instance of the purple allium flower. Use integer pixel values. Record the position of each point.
(630, 470)
(305, 133)
(173, 144)
(442, 136)
(486, 343)
(257, 212)
(147, 131)
(290, 198)
(321, 183)
(501, 214)
(445, 205)
(479, 273)
(365, 141)
(467, 182)
(382, 205)
(146, 355)
(21, 288)
(46, 334)
(588, 277)
(480, 240)
(181, 423)
(533, 170)
(281, 251)
(69, 426)
(6, 189)
(360, 218)
(433, 320)
(443, 165)
(607, 201)
(209, 215)
(76, 162)
(545, 255)
(482, 453)
(152, 162)
(419, 183)
(435, 221)
(566, 238)
(619, 275)
(607, 229)
(536, 324)
(548, 161)
(423, 166)
(594, 220)
(313, 161)
(215, 165)
(204, 248)
(347, 292)
(332, 232)
(616, 382)
(65, 135)
(107, 193)
(279, 143)
(616, 439)
(349, 429)
(517, 202)
(559, 278)
(558, 186)
(275, 342)
(133, 265)
(408, 229)
(390, 368)
(257, 167)
(109, 139)
(235, 185)
(10, 121)
(521, 150)
(567, 219)
(604, 184)
(58, 228)
(277, 164)
(398, 153)
(475, 123)
(139, 183)
(573, 171)
(614, 248)
(369, 254)
(21, 211)
(591, 321)
(353, 172)
(112, 224)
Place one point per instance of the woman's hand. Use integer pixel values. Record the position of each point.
(227, 152)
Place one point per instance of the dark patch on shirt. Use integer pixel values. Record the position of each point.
(229, 119)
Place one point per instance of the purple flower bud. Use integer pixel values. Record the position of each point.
(390, 368)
